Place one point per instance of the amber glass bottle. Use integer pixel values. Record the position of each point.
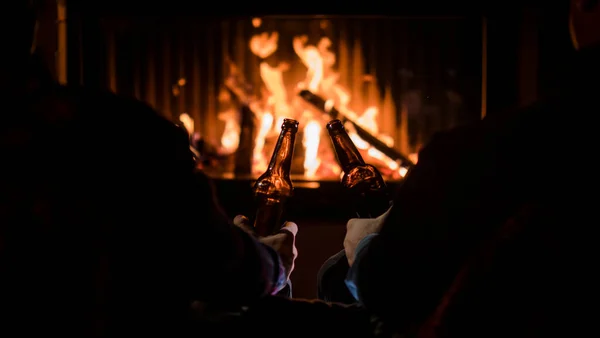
(365, 183)
(274, 187)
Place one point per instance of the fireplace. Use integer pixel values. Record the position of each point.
(399, 79)
(268, 64)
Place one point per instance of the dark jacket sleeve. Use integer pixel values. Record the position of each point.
(247, 265)
(434, 223)
(233, 267)
(207, 257)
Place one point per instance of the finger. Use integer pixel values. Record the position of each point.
(242, 222)
(349, 257)
(386, 213)
(290, 227)
(353, 222)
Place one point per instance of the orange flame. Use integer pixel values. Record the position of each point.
(320, 78)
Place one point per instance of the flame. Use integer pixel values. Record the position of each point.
(321, 78)
(273, 80)
(264, 44)
(414, 157)
(312, 59)
(312, 136)
(260, 160)
(402, 171)
(188, 123)
(230, 140)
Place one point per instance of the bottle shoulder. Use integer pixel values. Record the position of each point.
(366, 176)
(269, 184)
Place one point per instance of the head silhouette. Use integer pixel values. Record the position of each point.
(584, 23)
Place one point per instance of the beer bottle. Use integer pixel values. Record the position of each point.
(362, 180)
(274, 187)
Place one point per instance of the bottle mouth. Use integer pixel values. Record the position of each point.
(289, 123)
(335, 125)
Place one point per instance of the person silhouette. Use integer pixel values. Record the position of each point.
(102, 235)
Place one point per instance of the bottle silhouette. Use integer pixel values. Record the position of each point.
(274, 187)
(362, 180)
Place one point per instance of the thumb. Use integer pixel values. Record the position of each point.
(386, 213)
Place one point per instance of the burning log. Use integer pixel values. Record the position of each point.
(320, 104)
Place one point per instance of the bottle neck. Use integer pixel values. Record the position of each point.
(347, 154)
(281, 161)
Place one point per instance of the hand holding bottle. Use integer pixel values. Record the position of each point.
(359, 228)
(283, 241)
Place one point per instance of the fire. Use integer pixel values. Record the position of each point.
(260, 159)
(312, 137)
(321, 78)
(230, 140)
(188, 123)
(312, 59)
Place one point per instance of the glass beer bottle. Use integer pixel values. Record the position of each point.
(367, 187)
(274, 187)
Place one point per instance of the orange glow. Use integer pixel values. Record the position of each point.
(321, 77)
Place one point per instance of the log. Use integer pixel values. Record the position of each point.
(319, 103)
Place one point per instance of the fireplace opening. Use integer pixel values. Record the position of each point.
(231, 82)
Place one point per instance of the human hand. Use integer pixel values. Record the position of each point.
(284, 241)
(359, 228)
